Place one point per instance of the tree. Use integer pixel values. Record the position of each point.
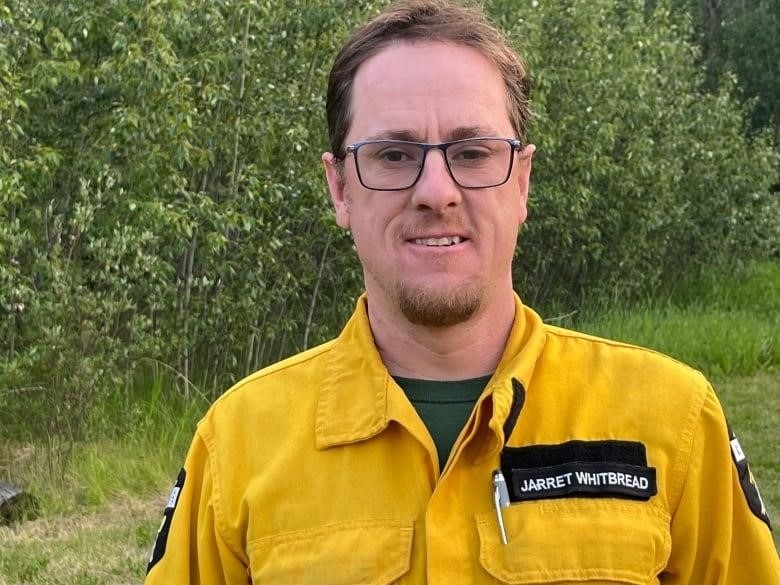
(740, 38)
(162, 197)
(639, 177)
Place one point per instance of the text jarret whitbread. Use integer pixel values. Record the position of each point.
(610, 479)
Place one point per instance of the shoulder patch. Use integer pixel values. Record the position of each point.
(162, 535)
(746, 479)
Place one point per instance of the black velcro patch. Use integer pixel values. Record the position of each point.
(162, 534)
(746, 479)
(612, 468)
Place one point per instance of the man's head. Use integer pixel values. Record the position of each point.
(430, 172)
(424, 20)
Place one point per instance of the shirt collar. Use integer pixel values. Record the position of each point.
(352, 404)
(358, 398)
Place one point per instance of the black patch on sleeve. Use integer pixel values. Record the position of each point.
(746, 479)
(162, 535)
(611, 468)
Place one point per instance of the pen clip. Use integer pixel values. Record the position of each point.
(500, 500)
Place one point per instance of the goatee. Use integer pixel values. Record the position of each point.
(437, 309)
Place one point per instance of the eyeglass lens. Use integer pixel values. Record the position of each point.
(396, 165)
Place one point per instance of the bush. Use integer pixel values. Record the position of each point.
(639, 178)
(162, 197)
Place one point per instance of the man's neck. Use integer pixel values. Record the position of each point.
(467, 350)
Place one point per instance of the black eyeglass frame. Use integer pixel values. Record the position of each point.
(515, 144)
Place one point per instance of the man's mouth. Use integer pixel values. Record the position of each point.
(436, 242)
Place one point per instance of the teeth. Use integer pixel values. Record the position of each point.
(446, 241)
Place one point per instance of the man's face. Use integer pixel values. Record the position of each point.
(435, 253)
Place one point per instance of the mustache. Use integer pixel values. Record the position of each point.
(432, 225)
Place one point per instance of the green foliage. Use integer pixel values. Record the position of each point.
(723, 324)
(638, 177)
(162, 198)
(135, 441)
(741, 38)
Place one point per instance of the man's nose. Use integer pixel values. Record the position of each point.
(435, 189)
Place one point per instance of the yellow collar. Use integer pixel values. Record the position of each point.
(358, 397)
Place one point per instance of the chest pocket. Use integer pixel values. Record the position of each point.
(366, 552)
(576, 540)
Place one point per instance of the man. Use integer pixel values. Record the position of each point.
(448, 435)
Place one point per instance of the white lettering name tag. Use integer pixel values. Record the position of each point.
(619, 480)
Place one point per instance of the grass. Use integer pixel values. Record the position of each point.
(721, 325)
(715, 341)
(108, 545)
(135, 458)
(101, 511)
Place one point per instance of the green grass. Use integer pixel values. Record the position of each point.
(108, 545)
(719, 325)
(715, 341)
(141, 442)
(100, 511)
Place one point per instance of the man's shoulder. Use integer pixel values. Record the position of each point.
(288, 379)
(623, 374)
(299, 363)
(601, 351)
(622, 390)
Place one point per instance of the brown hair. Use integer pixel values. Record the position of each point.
(424, 20)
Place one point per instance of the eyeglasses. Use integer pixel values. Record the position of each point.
(396, 165)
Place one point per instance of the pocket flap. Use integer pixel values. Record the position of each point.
(575, 540)
(364, 552)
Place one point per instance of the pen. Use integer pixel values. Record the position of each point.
(500, 500)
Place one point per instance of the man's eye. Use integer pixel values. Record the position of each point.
(471, 154)
(394, 156)
(474, 153)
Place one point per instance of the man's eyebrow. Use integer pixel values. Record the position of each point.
(405, 135)
(459, 133)
(464, 132)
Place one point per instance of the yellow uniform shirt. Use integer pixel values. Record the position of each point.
(317, 470)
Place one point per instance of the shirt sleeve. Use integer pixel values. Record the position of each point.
(190, 548)
(720, 530)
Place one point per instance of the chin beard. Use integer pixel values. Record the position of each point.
(437, 308)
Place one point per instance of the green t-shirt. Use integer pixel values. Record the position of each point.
(444, 407)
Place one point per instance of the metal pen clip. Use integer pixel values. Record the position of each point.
(500, 500)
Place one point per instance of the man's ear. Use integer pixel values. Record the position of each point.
(334, 173)
(524, 159)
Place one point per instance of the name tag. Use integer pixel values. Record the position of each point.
(584, 479)
(609, 468)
